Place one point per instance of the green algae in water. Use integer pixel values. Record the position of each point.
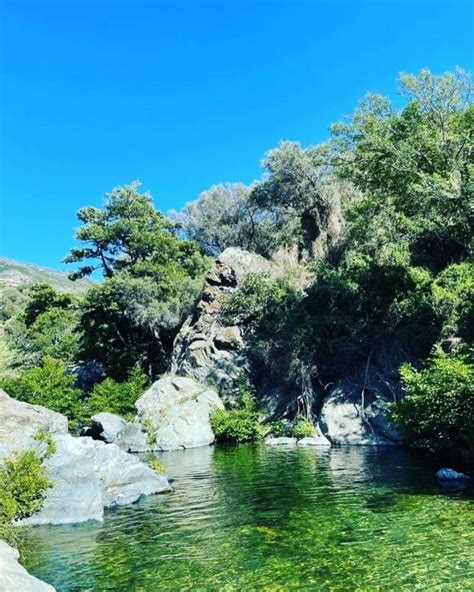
(252, 517)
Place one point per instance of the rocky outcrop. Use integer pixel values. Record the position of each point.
(14, 577)
(204, 348)
(87, 475)
(20, 422)
(356, 414)
(175, 412)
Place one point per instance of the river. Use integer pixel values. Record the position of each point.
(252, 517)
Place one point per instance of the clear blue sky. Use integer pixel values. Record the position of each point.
(182, 95)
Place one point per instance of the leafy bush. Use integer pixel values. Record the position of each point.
(437, 412)
(278, 429)
(303, 428)
(239, 424)
(50, 386)
(23, 483)
(118, 397)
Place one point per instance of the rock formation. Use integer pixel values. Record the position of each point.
(87, 474)
(204, 348)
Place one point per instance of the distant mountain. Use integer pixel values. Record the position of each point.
(16, 274)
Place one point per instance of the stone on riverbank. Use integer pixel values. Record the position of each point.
(14, 577)
(87, 475)
(106, 427)
(175, 412)
(281, 441)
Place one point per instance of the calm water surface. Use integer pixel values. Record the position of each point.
(251, 517)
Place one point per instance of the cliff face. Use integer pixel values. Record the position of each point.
(205, 349)
(354, 411)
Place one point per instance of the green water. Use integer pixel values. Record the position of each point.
(258, 518)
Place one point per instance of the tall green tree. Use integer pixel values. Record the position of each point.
(152, 278)
(302, 193)
(225, 216)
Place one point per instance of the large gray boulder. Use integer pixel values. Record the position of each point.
(204, 347)
(14, 577)
(20, 422)
(175, 412)
(350, 415)
(87, 475)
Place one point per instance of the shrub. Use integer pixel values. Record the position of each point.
(118, 397)
(23, 483)
(278, 429)
(237, 425)
(303, 428)
(50, 386)
(437, 412)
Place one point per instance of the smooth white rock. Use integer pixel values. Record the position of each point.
(14, 577)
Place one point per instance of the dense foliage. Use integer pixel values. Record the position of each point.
(48, 385)
(239, 424)
(437, 412)
(23, 483)
(118, 397)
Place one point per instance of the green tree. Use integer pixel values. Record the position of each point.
(42, 298)
(130, 234)
(302, 194)
(225, 216)
(437, 412)
(152, 278)
(417, 161)
(118, 397)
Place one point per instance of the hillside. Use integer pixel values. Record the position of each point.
(14, 273)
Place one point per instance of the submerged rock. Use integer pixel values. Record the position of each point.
(14, 577)
(450, 475)
(175, 413)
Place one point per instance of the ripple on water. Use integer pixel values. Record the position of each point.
(251, 517)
